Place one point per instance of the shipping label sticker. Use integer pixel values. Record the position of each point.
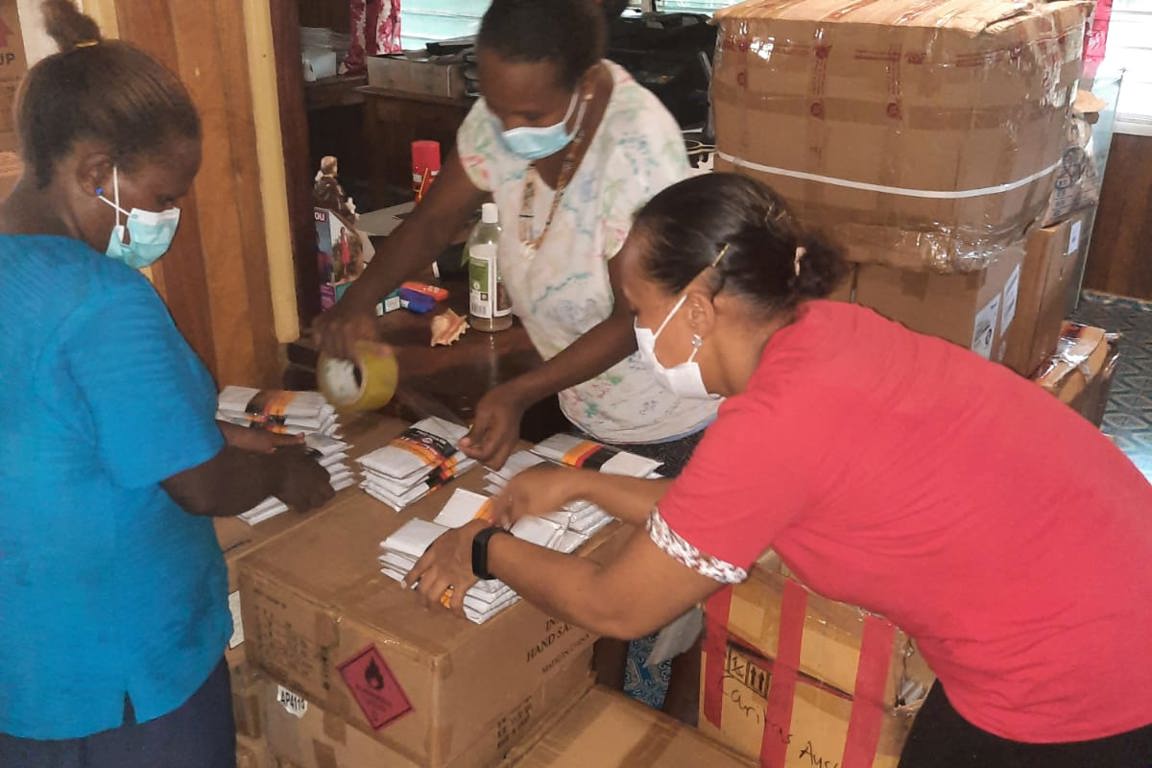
(984, 328)
(293, 703)
(1011, 296)
(375, 688)
(237, 638)
(1074, 237)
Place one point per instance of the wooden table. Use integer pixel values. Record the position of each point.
(446, 381)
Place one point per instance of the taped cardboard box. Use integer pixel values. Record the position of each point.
(303, 734)
(796, 679)
(609, 730)
(924, 134)
(320, 618)
(1080, 372)
(974, 310)
(1050, 265)
(11, 169)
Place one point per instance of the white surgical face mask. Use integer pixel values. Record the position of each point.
(535, 143)
(683, 380)
(151, 232)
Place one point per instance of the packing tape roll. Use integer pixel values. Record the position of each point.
(365, 383)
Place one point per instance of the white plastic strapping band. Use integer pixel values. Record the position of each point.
(958, 194)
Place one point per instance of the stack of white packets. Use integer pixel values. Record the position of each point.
(485, 599)
(579, 516)
(423, 458)
(294, 413)
(578, 452)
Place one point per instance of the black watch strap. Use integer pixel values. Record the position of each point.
(480, 552)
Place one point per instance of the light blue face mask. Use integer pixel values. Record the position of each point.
(151, 233)
(535, 143)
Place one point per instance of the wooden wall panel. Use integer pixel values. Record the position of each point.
(1120, 260)
(298, 168)
(215, 280)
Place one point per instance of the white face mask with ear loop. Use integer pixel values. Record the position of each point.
(684, 380)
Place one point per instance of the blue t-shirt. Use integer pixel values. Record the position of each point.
(107, 587)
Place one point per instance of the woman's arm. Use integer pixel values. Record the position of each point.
(417, 242)
(497, 425)
(639, 591)
(544, 489)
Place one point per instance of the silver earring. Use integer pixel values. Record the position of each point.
(697, 342)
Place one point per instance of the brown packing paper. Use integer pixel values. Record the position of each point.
(316, 602)
(973, 310)
(960, 106)
(607, 730)
(1052, 256)
(320, 739)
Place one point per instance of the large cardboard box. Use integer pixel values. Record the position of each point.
(796, 679)
(924, 134)
(301, 733)
(237, 539)
(1050, 266)
(251, 753)
(11, 169)
(320, 618)
(1081, 370)
(13, 66)
(606, 729)
(974, 309)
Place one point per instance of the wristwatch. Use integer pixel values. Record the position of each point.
(480, 552)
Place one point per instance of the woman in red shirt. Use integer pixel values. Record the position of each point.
(888, 469)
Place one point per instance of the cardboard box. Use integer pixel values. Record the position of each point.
(924, 134)
(846, 291)
(1050, 261)
(251, 753)
(303, 734)
(787, 675)
(13, 67)
(974, 310)
(424, 76)
(11, 169)
(1080, 372)
(606, 729)
(320, 618)
(237, 539)
(819, 717)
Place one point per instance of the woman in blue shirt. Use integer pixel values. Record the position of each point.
(113, 605)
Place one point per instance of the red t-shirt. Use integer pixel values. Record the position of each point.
(988, 520)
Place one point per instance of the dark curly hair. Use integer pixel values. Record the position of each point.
(571, 34)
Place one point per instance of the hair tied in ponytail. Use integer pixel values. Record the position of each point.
(801, 252)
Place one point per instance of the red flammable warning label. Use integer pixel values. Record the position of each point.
(375, 688)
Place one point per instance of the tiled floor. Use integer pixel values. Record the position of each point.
(1128, 419)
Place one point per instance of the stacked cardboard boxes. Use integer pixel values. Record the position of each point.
(362, 655)
(238, 539)
(795, 679)
(924, 138)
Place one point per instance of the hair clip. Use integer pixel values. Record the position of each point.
(801, 252)
(87, 44)
(720, 255)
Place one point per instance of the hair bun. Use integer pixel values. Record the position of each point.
(69, 27)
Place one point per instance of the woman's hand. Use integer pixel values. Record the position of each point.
(538, 491)
(337, 331)
(256, 440)
(496, 428)
(444, 574)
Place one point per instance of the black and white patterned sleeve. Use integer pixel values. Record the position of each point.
(683, 552)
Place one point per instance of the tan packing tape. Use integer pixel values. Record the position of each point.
(365, 383)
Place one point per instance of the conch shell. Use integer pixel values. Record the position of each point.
(447, 328)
